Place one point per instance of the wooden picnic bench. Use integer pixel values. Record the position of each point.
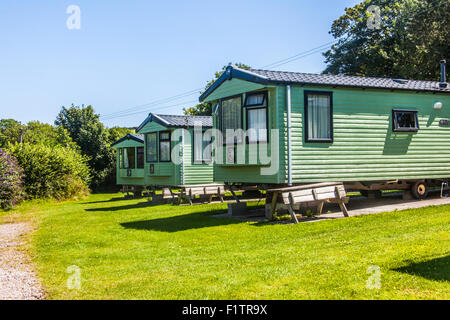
(135, 190)
(237, 189)
(176, 194)
(208, 191)
(312, 193)
(165, 195)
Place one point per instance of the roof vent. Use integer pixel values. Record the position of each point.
(401, 81)
(443, 83)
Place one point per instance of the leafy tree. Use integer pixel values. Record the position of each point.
(115, 133)
(88, 132)
(10, 130)
(205, 109)
(411, 40)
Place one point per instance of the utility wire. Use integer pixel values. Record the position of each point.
(160, 101)
(134, 110)
(150, 109)
(329, 44)
(300, 55)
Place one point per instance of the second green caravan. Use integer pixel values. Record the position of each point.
(164, 142)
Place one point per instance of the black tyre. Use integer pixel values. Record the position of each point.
(419, 190)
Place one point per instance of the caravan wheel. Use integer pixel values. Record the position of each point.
(419, 190)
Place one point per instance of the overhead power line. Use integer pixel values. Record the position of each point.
(148, 110)
(155, 102)
(145, 107)
(300, 55)
(149, 106)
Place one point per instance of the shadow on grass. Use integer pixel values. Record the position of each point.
(138, 205)
(436, 269)
(181, 223)
(106, 201)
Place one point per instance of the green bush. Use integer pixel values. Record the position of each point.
(52, 171)
(11, 190)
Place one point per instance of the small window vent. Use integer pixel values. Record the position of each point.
(405, 121)
(401, 81)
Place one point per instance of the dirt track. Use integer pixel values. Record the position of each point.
(18, 280)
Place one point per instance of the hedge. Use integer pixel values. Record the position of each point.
(11, 175)
(52, 171)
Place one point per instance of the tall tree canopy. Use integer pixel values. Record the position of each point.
(410, 40)
(94, 140)
(205, 109)
(89, 133)
(10, 131)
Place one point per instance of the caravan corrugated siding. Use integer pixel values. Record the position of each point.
(365, 146)
(195, 173)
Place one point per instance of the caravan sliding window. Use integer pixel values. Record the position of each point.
(140, 157)
(120, 158)
(129, 158)
(318, 116)
(231, 119)
(151, 140)
(202, 146)
(256, 108)
(164, 146)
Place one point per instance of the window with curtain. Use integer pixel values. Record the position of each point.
(151, 141)
(129, 158)
(256, 106)
(202, 147)
(164, 146)
(318, 111)
(140, 157)
(120, 158)
(125, 159)
(231, 117)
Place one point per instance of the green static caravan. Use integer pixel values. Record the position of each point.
(363, 131)
(166, 135)
(130, 160)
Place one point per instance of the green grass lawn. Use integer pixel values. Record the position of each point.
(129, 249)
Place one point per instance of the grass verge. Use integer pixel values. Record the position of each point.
(131, 249)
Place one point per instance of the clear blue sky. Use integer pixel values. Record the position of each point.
(130, 53)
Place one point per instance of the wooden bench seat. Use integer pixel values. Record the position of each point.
(203, 191)
(314, 193)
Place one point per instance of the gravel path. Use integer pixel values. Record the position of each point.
(17, 278)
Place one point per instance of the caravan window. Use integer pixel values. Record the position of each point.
(164, 146)
(140, 157)
(129, 158)
(231, 118)
(318, 116)
(405, 120)
(202, 146)
(256, 108)
(120, 158)
(152, 148)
